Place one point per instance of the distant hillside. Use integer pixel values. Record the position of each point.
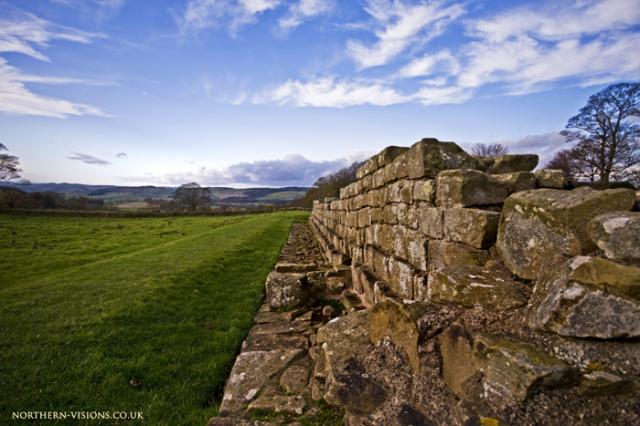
(114, 194)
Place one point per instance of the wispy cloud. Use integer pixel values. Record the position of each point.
(22, 32)
(525, 49)
(88, 159)
(400, 24)
(121, 155)
(517, 51)
(231, 14)
(302, 10)
(293, 170)
(331, 92)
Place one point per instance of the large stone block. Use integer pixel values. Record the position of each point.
(542, 227)
(471, 286)
(469, 188)
(384, 157)
(250, 373)
(514, 369)
(400, 278)
(516, 181)
(617, 234)
(587, 297)
(445, 253)
(514, 163)
(286, 290)
(428, 157)
(425, 190)
(497, 368)
(431, 222)
(397, 321)
(460, 370)
(417, 247)
(478, 228)
(343, 341)
(551, 178)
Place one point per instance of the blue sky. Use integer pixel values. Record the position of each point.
(278, 92)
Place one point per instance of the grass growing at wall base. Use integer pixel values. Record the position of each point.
(128, 314)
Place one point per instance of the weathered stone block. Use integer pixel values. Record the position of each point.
(551, 178)
(459, 364)
(416, 249)
(407, 215)
(444, 253)
(469, 188)
(383, 158)
(516, 181)
(587, 297)
(428, 157)
(545, 226)
(478, 228)
(617, 234)
(398, 321)
(471, 286)
(343, 339)
(286, 290)
(425, 190)
(514, 163)
(431, 222)
(249, 375)
(514, 369)
(401, 278)
(390, 214)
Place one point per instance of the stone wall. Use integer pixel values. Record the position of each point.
(414, 210)
(450, 289)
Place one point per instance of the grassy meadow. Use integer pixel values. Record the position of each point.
(144, 314)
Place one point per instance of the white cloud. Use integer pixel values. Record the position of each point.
(330, 92)
(292, 170)
(442, 61)
(526, 50)
(232, 14)
(401, 24)
(302, 10)
(15, 98)
(24, 33)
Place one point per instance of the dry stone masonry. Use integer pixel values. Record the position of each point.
(444, 288)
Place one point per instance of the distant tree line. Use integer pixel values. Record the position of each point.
(328, 186)
(13, 198)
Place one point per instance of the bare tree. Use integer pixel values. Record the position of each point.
(489, 150)
(608, 140)
(192, 196)
(9, 165)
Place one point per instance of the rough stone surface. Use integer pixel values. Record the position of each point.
(514, 163)
(286, 290)
(617, 234)
(543, 227)
(397, 321)
(429, 157)
(445, 253)
(469, 188)
(513, 369)
(516, 181)
(587, 297)
(477, 228)
(459, 365)
(249, 375)
(471, 286)
(551, 178)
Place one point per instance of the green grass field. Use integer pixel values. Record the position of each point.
(89, 306)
